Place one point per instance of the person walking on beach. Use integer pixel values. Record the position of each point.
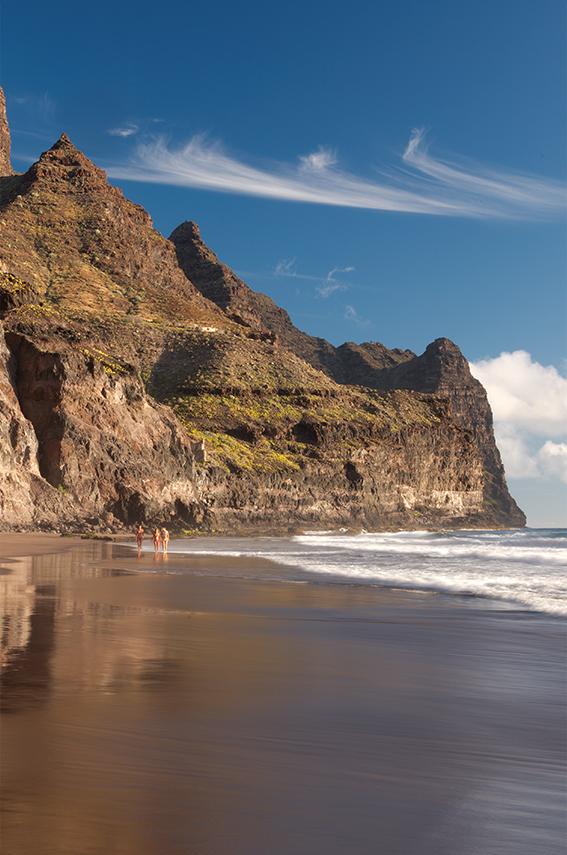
(140, 538)
(164, 539)
(156, 539)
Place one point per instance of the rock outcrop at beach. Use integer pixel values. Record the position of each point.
(441, 369)
(142, 380)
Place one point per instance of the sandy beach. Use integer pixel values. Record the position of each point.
(150, 711)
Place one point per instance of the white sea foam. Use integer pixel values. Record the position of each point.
(524, 567)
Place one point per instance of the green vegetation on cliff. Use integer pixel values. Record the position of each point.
(270, 432)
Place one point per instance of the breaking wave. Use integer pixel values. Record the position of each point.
(523, 567)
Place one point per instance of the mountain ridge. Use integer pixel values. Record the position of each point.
(142, 380)
(222, 286)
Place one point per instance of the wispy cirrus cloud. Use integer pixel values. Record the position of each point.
(332, 284)
(38, 106)
(32, 118)
(325, 285)
(323, 158)
(286, 267)
(128, 130)
(419, 183)
(521, 191)
(351, 314)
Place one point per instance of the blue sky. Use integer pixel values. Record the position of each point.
(265, 86)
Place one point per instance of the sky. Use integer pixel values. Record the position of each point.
(385, 171)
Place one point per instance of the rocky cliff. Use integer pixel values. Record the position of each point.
(140, 379)
(5, 163)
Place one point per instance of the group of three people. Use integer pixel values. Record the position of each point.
(160, 538)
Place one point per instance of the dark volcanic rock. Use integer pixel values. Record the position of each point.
(145, 381)
(442, 369)
(359, 363)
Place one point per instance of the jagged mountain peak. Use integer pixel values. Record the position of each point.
(442, 365)
(217, 282)
(75, 241)
(443, 345)
(63, 140)
(447, 364)
(66, 152)
(189, 244)
(68, 171)
(188, 228)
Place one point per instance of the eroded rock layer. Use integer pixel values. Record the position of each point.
(141, 380)
(5, 163)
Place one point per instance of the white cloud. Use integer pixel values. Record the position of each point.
(424, 185)
(524, 393)
(529, 403)
(518, 458)
(321, 159)
(552, 457)
(126, 131)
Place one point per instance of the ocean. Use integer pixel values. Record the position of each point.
(524, 568)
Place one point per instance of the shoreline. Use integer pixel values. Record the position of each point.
(300, 571)
(172, 712)
(21, 545)
(112, 533)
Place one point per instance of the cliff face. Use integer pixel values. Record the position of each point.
(21, 486)
(100, 442)
(5, 163)
(141, 380)
(441, 369)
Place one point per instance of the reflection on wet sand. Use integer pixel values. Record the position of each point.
(26, 668)
(17, 601)
(22, 578)
(153, 714)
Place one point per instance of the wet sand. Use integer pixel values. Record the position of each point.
(154, 714)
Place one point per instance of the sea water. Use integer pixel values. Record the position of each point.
(523, 567)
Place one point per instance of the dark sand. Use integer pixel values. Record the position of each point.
(155, 714)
